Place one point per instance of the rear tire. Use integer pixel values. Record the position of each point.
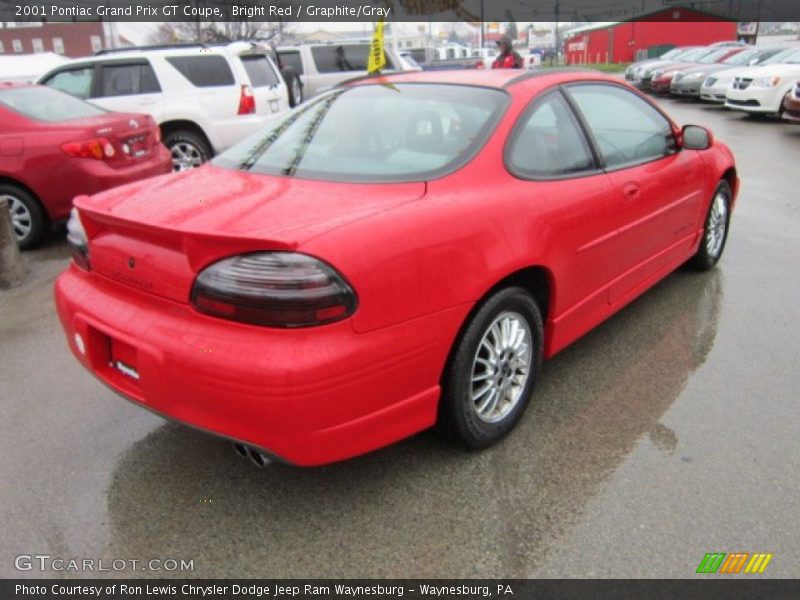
(492, 371)
(715, 231)
(28, 220)
(188, 149)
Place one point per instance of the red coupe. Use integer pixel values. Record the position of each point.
(54, 147)
(398, 253)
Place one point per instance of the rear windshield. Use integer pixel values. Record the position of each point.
(259, 71)
(47, 104)
(203, 71)
(374, 133)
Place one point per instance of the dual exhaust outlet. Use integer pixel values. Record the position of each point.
(256, 456)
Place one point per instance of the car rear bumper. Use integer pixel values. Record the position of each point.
(89, 176)
(307, 396)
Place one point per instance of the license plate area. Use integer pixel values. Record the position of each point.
(116, 362)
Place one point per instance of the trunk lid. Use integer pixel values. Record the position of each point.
(158, 234)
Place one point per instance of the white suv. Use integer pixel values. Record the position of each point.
(205, 98)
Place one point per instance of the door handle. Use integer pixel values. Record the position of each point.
(631, 191)
(147, 102)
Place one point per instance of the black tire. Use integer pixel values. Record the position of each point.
(188, 149)
(459, 417)
(28, 219)
(710, 250)
(294, 86)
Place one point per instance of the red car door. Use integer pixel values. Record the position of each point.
(659, 189)
(567, 214)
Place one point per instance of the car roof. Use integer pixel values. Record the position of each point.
(493, 78)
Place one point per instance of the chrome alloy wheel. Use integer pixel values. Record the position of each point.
(717, 224)
(501, 367)
(21, 217)
(185, 156)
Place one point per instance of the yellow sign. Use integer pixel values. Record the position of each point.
(377, 57)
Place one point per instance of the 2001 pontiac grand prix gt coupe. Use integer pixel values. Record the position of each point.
(400, 252)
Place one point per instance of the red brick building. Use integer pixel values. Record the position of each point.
(626, 41)
(68, 39)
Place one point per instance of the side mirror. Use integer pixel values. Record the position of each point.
(694, 137)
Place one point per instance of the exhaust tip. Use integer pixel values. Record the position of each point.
(240, 449)
(258, 458)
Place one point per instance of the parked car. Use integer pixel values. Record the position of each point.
(714, 86)
(27, 68)
(643, 76)
(761, 89)
(791, 105)
(687, 82)
(324, 66)
(204, 98)
(54, 147)
(333, 284)
(662, 78)
(638, 67)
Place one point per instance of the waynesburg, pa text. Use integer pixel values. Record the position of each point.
(255, 590)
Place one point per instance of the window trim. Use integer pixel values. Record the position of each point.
(97, 91)
(519, 124)
(92, 66)
(590, 135)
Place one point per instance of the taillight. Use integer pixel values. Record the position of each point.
(276, 289)
(76, 237)
(97, 148)
(247, 101)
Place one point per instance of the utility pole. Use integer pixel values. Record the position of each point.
(481, 38)
(555, 34)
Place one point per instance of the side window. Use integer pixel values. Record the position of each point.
(345, 57)
(548, 142)
(626, 128)
(203, 71)
(259, 71)
(292, 59)
(77, 82)
(126, 80)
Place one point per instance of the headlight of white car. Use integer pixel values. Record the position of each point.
(766, 82)
(678, 77)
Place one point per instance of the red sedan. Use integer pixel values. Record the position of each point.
(398, 253)
(54, 147)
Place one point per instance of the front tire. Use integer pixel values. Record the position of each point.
(28, 220)
(715, 232)
(493, 369)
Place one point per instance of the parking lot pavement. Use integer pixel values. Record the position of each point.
(668, 432)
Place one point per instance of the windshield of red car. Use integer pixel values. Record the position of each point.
(46, 104)
(369, 133)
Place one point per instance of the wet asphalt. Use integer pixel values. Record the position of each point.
(670, 431)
